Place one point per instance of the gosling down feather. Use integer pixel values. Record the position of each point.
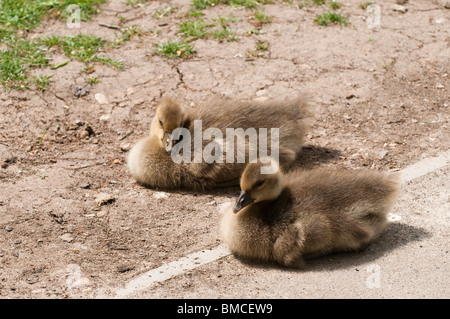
(283, 218)
(150, 161)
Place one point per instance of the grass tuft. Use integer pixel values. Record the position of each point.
(174, 49)
(328, 18)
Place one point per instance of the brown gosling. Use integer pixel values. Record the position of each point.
(283, 218)
(169, 115)
(150, 167)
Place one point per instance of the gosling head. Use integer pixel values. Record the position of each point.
(169, 114)
(257, 186)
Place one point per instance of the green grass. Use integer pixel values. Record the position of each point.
(83, 48)
(163, 12)
(27, 14)
(42, 82)
(334, 5)
(193, 29)
(328, 18)
(261, 45)
(365, 5)
(21, 54)
(93, 80)
(224, 34)
(262, 18)
(174, 49)
(204, 4)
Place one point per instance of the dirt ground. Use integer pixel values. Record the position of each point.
(382, 98)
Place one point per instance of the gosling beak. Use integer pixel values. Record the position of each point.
(243, 200)
(167, 141)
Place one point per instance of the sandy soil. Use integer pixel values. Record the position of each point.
(382, 100)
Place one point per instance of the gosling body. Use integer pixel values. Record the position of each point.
(307, 213)
(147, 162)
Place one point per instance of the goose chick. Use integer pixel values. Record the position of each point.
(283, 218)
(169, 115)
(292, 118)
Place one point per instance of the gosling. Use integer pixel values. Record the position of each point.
(285, 218)
(147, 163)
(169, 115)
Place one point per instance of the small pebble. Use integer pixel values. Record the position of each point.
(160, 195)
(9, 228)
(66, 237)
(102, 213)
(382, 154)
(101, 98)
(399, 8)
(125, 147)
(124, 268)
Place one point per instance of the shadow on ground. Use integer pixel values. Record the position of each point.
(394, 236)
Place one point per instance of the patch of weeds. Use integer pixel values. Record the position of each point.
(260, 49)
(20, 55)
(42, 82)
(28, 14)
(365, 5)
(174, 49)
(93, 80)
(204, 4)
(241, 3)
(134, 3)
(58, 8)
(262, 18)
(334, 5)
(255, 31)
(330, 17)
(108, 61)
(195, 13)
(127, 34)
(262, 45)
(193, 30)
(19, 15)
(163, 12)
(83, 48)
(224, 34)
(318, 2)
(88, 69)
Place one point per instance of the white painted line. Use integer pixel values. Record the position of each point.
(203, 257)
(425, 166)
(173, 269)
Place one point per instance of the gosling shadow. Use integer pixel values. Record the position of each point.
(312, 155)
(395, 236)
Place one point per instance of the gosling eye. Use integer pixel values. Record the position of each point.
(259, 183)
(161, 123)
